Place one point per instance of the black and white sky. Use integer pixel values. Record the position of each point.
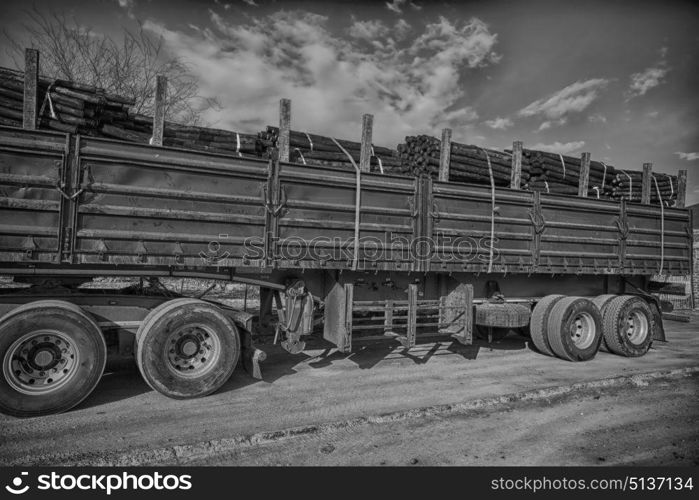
(616, 78)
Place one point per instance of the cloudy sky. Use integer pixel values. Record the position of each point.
(617, 79)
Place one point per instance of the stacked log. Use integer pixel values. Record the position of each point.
(466, 163)
(556, 173)
(318, 150)
(627, 185)
(83, 109)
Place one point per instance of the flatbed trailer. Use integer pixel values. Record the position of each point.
(381, 255)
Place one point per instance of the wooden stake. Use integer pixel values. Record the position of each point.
(31, 86)
(646, 183)
(159, 114)
(584, 174)
(445, 155)
(284, 129)
(365, 150)
(516, 179)
(681, 188)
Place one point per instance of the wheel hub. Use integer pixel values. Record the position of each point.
(582, 330)
(192, 350)
(40, 362)
(636, 327)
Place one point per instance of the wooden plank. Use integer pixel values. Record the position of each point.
(584, 174)
(646, 183)
(516, 179)
(159, 114)
(284, 129)
(681, 188)
(388, 316)
(445, 155)
(365, 148)
(31, 87)
(346, 345)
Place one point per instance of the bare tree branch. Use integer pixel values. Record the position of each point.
(127, 66)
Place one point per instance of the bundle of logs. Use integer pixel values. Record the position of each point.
(83, 109)
(466, 163)
(627, 184)
(556, 173)
(63, 106)
(318, 150)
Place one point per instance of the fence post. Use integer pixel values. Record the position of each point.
(645, 183)
(31, 86)
(284, 129)
(445, 155)
(159, 114)
(516, 178)
(584, 174)
(365, 151)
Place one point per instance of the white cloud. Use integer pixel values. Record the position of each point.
(251, 3)
(415, 6)
(128, 6)
(652, 114)
(649, 78)
(550, 123)
(333, 80)
(572, 99)
(687, 156)
(368, 30)
(499, 123)
(401, 29)
(645, 80)
(597, 118)
(395, 6)
(557, 147)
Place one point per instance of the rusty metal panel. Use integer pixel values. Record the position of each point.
(32, 168)
(142, 205)
(317, 219)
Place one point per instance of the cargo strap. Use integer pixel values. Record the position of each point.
(237, 143)
(310, 142)
(547, 186)
(377, 159)
(672, 189)
(630, 185)
(563, 163)
(604, 175)
(596, 188)
(492, 211)
(662, 227)
(47, 98)
(357, 201)
(301, 155)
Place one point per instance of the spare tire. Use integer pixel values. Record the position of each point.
(628, 321)
(574, 329)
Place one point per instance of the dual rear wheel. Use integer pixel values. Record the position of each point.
(575, 328)
(53, 354)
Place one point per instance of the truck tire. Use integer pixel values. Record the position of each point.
(601, 301)
(539, 321)
(627, 326)
(574, 329)
(53, 355)
(187, 348)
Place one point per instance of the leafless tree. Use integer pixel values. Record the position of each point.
(125, 66)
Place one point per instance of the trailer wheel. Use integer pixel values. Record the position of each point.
(187, 348)
(574, 329)
(627, 322)
(53, 355)
(601, 301)
(538, 323)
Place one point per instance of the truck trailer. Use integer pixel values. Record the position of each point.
(367, 255)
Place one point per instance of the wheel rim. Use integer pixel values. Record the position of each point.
(192, 350)
(636, 327)
(40, 362)
(582, 330)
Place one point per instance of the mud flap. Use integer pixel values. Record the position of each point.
(251, 356)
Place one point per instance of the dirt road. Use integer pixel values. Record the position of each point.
(124, 422)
